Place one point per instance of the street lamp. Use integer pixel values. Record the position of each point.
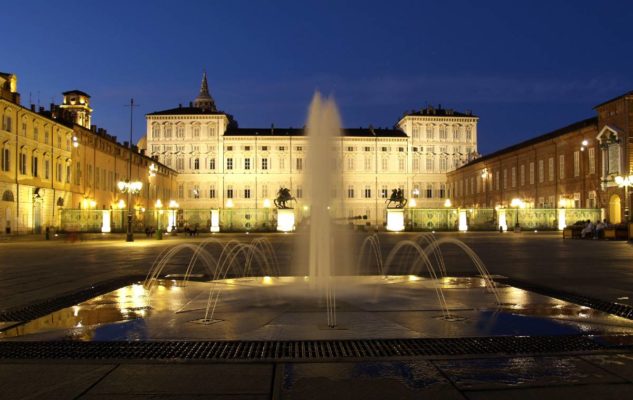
(625, 182)
(173, 206)
(516, 204)
(130, 188)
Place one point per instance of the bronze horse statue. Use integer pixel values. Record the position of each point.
(397, 198)
(283, 197)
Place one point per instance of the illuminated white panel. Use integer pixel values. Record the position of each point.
(215, 220)
(562, 223)
(395, 220)
(502, 219)
(105, 226)
(463, 223)
(285, 220)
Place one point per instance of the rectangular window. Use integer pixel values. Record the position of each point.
(229, 192)
(385, 164)
(22, 166)
(196, 164)
(180, 163)
(212, 193)
(367, 164)
(247, 193)
(368, 192)
(247, 163)
(34, 166)
(6, 159)
(299, 192)
(350, 148)
(68, 173)
(576, 163)
(416, 165)
(350, 191)
(299, 164)
(401, 164)
(282, 163)
(429, 164)
(264, 190)
(429, 191)
(58, 176)
(561, 166)
(505, 178)
(383, 149)
(212, 163)
(229, 163)
(522, 175)
(541, 172)
(442, 190)
(531, 173)
(592, 160)
(550, 169)
(367, 148)
(264, 148)
(514, 177)
(264, 163)
(384, 192)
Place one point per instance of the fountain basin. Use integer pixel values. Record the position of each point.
(285, 308)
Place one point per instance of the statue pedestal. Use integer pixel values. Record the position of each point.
(285, 219)
(215, 221)
(395, 219)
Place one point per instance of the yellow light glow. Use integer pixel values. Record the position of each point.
(267, 280)
(229, 203)
(412, 203)
(285, 220)
(395, 220)
(414, 278)
(447, 203)
(173, 204)
(159, 204)
(121, 204)
(266, 203)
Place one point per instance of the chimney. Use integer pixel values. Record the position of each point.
(190, 104)
(180, 105)
(41, 109)
(93, 128)
(32, 107)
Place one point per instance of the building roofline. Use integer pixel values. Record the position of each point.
(593, 121)
(630, 93)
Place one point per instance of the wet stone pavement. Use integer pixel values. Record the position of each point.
(603, 376)
(34, 271)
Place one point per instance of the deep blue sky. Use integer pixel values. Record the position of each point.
(524, 67)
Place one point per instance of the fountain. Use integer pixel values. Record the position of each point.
(219, 290)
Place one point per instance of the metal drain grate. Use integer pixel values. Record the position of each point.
(621, 310)
(33, 311)
(296, 350)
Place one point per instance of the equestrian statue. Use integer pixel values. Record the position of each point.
(397, 199)
(283, 197)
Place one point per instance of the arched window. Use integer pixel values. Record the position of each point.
(7, 196)
(156, 131)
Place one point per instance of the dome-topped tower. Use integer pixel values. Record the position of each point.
(204, 99)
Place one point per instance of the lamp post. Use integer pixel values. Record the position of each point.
(128, 185)
(583, 146)
(130, 188)
(173, 206)
(447, 206)
(625, 182)
(516, 204)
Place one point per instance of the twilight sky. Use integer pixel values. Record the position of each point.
(524, 67)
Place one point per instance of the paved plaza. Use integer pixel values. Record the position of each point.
(33, 270)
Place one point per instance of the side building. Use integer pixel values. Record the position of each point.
(239, 170)
(59, 171)
(574, 167)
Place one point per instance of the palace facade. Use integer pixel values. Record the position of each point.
(572, 167)
(54, 161)
(221, 165)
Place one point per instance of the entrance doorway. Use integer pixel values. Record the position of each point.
(37, 217)
(615, 209)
